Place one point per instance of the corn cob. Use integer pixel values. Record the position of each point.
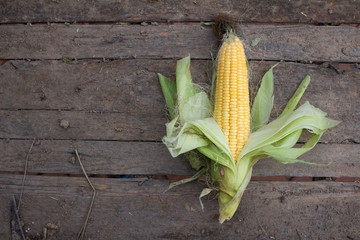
(232, 109)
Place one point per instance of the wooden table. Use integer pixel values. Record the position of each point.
(93, 64)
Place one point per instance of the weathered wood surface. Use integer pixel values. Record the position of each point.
(122, 100)
(83, 125)
(283, 42)
(113, 102)
(131, 85)
(149, 158)
(140, 210)
(340, 11)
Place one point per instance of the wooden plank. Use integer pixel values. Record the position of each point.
(122, 99)
(302, 43)
(99, 157)
(121, 86)
(285, 42)
(82, 125)
(149, 158)
(312, 11)
(320, 210)
(128, 85)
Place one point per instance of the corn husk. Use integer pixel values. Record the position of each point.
(193, 128)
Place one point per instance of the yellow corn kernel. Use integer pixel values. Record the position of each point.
(232, 107)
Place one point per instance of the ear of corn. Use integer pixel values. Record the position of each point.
(224, 136)
(232, 109)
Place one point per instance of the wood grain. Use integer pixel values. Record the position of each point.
(98, 72)
(122, 99)
(82, 125)
(284, 42)
(137, 210)
(149, 158)
(282, 11)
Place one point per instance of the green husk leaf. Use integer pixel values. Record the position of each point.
(196, 107)
(229, 204)
(196, 135)
(180, 140)
(212, 152)
(290, 140)
(204, 192)
(291, 105)
(263, 102)
(196, 161)
(168, 88)
(184, 86)
(305, 117)
(289, 155)
(187, 180)
(212, 131)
